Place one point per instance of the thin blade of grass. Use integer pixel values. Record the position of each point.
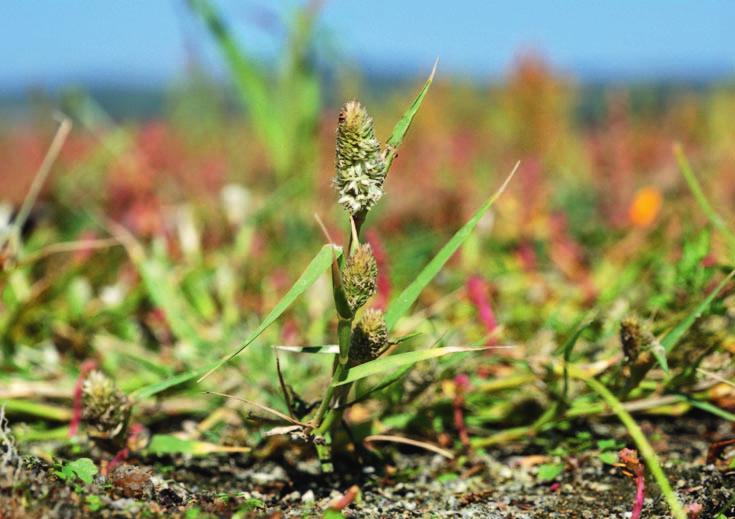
(331, 348)
(696, 189)
(40, 178)
(404, 123)
(250, 81)
(644, 447)
(672, 337)
(163, 444)
(393, 362)
(326, 349)
(408, 441)
(165, 293)
(395, 377)
(399, 306)
(262, 407)
(567, 349)
(153, 389)
(710, 408)
(318, 265)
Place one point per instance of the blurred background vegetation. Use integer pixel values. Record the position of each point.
(177, 215)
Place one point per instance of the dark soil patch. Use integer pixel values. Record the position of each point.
(501, 482)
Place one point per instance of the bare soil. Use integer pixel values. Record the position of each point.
(500, 482)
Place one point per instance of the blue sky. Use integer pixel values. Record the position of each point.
(57, 42)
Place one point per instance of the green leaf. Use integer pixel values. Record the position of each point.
(710, 408)
(447, 477)
(94, 503)
(400, 305)
(318, 265)
(567, 349)
(165, 293)
(606, 445)
(332, 349)
(162, 444)
(83, 468)
(153, 389)
(249, 79)
(393, 362)
(671, 338)
(550, 471)
(640, 439)
(404, 123)
(699, 195)
(611, 458)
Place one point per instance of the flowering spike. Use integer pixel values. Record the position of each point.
(369, 337)
(106, 408)
(360, 164)
(360, 276)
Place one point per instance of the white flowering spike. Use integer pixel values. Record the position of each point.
(360, 162)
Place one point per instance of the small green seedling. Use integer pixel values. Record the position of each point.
(83, 469)
(93, 502)
(550, 471)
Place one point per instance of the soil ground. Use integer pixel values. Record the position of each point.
(500, 482)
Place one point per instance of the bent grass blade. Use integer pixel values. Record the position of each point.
(400, 305)
(316, 267)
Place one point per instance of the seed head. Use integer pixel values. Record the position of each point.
(360, 165)
(360, 276)
(369, 337)
(635, 338)
(106, 408)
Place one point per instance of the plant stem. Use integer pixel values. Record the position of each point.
(328, 413)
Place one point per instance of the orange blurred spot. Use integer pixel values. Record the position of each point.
(645, 206)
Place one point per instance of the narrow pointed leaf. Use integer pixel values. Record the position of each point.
(153, 389)
(699, 195)
(401, 128)
(318, 265)
(399, 306)
(327, 348)
(249, 79)
(393, 362)
(162, 444)
(670, 340)
(673, 337)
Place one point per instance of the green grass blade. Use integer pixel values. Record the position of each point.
(393, 362)
(673, 337)
(699, 195)
(710, 408)
(644, 447)
(401, 128)
(567, 349)
(399, 306)
(250, 81)
(325, 349)
(318, 265)
(153, 389)
(156, 276)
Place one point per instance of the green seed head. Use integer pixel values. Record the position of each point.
(633, 337)
(369, 337)
(360, 165)
(106, 408)
(360, 276)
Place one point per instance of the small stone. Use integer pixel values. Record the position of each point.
(132, 481)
